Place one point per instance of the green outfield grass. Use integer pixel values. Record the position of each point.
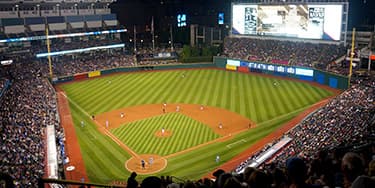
(186, 134)
(267, 101)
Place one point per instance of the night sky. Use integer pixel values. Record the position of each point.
(361, 12)
(139, 12)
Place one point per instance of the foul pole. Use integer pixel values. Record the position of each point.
(49, 55)
(153, 35)
(171, 35)
(135, 39)
(351, 58)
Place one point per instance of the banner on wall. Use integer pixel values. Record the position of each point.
(80, 76)
(235, 63)
(243, 69)
(230, 67)
(302, 73)
(94, 74)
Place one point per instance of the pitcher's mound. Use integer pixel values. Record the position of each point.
(153, 164)
(166, 133)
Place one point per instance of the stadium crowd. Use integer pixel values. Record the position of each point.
(73, 44)
(345, 121)
(2, 83)
(26, 108)
(3, 78)
(340, 169)
(91, 61)
(316, 141)
(283, 52)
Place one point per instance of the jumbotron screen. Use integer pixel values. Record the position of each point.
(307, 21)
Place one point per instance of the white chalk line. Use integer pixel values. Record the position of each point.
(114, 138)
(235, 143)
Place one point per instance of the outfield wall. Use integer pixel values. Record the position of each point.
(81, 76)
(302, 73)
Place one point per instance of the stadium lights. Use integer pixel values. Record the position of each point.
(80, 50)
(62, 35)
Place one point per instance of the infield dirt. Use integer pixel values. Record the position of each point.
(221, 121)
(232, 123)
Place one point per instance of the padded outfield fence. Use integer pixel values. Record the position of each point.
(302, 73)
(129, 69)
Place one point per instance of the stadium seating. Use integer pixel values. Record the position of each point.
(345, 124)
(93, 21)
(345, 120)
(36, 23)
(75, 21)
(13, 25)
(24, 114)
(283, 52)
(110, 19)
(336, 168)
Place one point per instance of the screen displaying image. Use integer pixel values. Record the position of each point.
(250, 20)
(220, 18)
(181, 20)
(299, 21)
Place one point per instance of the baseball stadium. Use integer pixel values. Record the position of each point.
(249, 94)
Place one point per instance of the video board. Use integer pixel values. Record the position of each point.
(306, 21)
(220, 18)
(181, 20)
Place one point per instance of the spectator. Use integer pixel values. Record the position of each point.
(232, 182)
(371, 171)
(247, 173)
(222, 179)
(151, 182)
(363, 182)
(132, 182)
(259, 179)
(352, 167)
(297, 172)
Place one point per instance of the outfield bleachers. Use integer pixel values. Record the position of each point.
(305, 54)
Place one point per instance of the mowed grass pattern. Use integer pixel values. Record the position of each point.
(186, 133)
(267, 101)
(255, 97)
(103, 158)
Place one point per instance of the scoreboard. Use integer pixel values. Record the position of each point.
(305, 21)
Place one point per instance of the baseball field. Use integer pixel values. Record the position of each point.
(177, 121)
